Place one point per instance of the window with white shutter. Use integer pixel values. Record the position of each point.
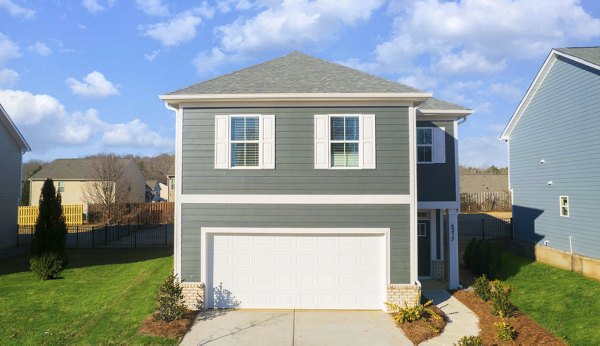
(245, 141)
(431, 145)
(344, 141)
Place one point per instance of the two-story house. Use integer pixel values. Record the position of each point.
(302, 183)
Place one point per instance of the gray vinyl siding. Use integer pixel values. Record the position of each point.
(561, 125)
(294, 171)
(10, 171)
(436, 181)
(395, 217)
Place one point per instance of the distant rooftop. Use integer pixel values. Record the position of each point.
(70, 169)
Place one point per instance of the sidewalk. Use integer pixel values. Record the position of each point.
(461, 320)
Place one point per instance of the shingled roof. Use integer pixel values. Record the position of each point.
(296, 73)
(70, 169)
(589, 54)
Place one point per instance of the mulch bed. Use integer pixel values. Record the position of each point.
(528, 331)
(170, 330)
(419, 331)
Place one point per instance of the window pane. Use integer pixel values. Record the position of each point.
(565, 211)
(424, 136)
(351, 154)
(352, 128)
(251, 154)
(237, 154)
(338, 157)
(237, 129)
(337, 128)
(423, 154)
(252, 128)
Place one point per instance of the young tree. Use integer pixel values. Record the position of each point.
(109, 187)
(48, 246)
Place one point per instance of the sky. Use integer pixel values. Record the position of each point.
(79, 77)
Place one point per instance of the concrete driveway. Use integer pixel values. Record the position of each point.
(294, 327)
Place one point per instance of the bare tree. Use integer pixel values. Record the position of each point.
(156, 168)
(109, 188)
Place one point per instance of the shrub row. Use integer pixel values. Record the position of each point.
(482, 258)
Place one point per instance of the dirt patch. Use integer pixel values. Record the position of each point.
(424, 329)
(170, 330)
(528, 331)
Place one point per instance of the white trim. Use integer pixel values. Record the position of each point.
(453, 272)
(291, 104)
(434, 112)
(270, 97)
(442, 250)
(204, 231)
(178, 171)
(456, 165)
(433, 230)
(13, 130)
(412, 140)
(295, 199)
(439, 205)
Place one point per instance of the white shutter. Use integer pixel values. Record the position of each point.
(267, 141)
(221, 141)
(439, 145)
(321, 141)
(367, 140)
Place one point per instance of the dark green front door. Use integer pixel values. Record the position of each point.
(424, 240)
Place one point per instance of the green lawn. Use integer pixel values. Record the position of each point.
(102, 298)
(565, 303)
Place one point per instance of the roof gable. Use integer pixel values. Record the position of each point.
(13, 130)
(589, 56)
(71, 169)
(296, 73)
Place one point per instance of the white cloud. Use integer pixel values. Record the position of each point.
(153, 7)
(16, 10)
(48, 127)
(8, 49)
(420, 80)
(151, 56)
(179, 30)
(468, 62)
(93, 85)
(8, 77)
(285, 25)
(40, 48)
(226, 6)
(510, 91)
(96, 6)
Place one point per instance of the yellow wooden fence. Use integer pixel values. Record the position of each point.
(73, 214)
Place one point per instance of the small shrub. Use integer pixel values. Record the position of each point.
(475, 258)
(501, 304)
(414, 313)
(482, 288)
(470, 340)
(467, 255)
(484, 260)
(170, 300)
(47, 266)
(505, 331)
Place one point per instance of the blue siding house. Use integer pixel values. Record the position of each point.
(305, 184)
(12, 148)
(554, 156)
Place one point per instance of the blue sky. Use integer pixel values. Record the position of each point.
(82, 77)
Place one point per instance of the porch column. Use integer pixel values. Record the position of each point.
(453, 248)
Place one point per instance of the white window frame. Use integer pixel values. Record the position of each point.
(258, 141)
(60, 184)
(419, 228)
(425, 145)
(344, 141)
(561, 206)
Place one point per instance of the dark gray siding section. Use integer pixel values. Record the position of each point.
(436, 181)
(10, 171)
(294, 171)
(561, 125)
(395, 217)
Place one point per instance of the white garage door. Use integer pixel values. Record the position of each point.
(296, 271)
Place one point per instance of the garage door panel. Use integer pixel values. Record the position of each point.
(297, 271)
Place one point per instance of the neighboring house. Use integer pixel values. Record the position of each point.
(156, 191)
(296, 187)
(171, 183)
(483, 182)
(12, 148)
(71, 176)
(554, 157)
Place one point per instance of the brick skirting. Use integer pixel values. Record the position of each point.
(400, 293)
(193, 295)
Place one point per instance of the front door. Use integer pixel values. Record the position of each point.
(424, 240)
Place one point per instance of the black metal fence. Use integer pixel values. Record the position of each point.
(109, 236)
(485, 228)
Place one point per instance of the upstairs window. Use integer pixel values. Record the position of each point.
(245, 141)
(431, 145)
(344, 141)
(61, 186)
(564, 206)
